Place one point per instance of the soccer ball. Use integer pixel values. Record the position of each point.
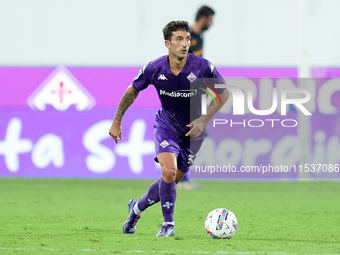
(221, 223)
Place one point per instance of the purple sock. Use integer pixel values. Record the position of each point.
(167, 193)
(151, 196)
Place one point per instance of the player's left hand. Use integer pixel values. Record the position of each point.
(196, 128)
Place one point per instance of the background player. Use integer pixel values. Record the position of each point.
(204, 19)
(179, 128)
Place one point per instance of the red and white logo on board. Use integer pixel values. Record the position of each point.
(61, 90)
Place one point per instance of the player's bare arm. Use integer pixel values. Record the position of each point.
(197, 125)
(127, 99)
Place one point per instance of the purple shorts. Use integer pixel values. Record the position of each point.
(183, 147)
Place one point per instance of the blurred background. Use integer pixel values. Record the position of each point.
(129, 33)
(64, 66)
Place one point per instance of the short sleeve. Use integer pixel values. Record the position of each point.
(142, 80)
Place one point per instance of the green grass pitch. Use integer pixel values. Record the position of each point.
(75, 216)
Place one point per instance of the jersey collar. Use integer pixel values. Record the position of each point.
(184, 69)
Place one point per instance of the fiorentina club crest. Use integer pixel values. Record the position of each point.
(191, 77)
(61, 90)
(164, 143)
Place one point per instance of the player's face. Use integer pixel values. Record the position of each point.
(208, 22)
(179, 44)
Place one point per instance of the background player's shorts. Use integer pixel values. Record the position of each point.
(183, 147)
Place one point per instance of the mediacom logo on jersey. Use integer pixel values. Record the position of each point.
(179, 93)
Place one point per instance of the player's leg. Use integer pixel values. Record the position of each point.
(165, 142)
(152, 195)
(129, 226)
(185, 159)
(167, 191)
(179, 175)
(186, 178)
(187, 184)
(136, 207)
(168, 228)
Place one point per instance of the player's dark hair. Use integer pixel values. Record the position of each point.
(174, 26)
(204, 11)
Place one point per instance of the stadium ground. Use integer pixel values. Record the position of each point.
(72, 216)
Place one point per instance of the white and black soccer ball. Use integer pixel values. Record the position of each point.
(221, 223)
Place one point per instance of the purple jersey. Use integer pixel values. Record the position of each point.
(179, 95)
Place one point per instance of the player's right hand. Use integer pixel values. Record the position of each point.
(196, 128)
(116, 131)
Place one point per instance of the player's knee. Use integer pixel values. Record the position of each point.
(168, 173)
